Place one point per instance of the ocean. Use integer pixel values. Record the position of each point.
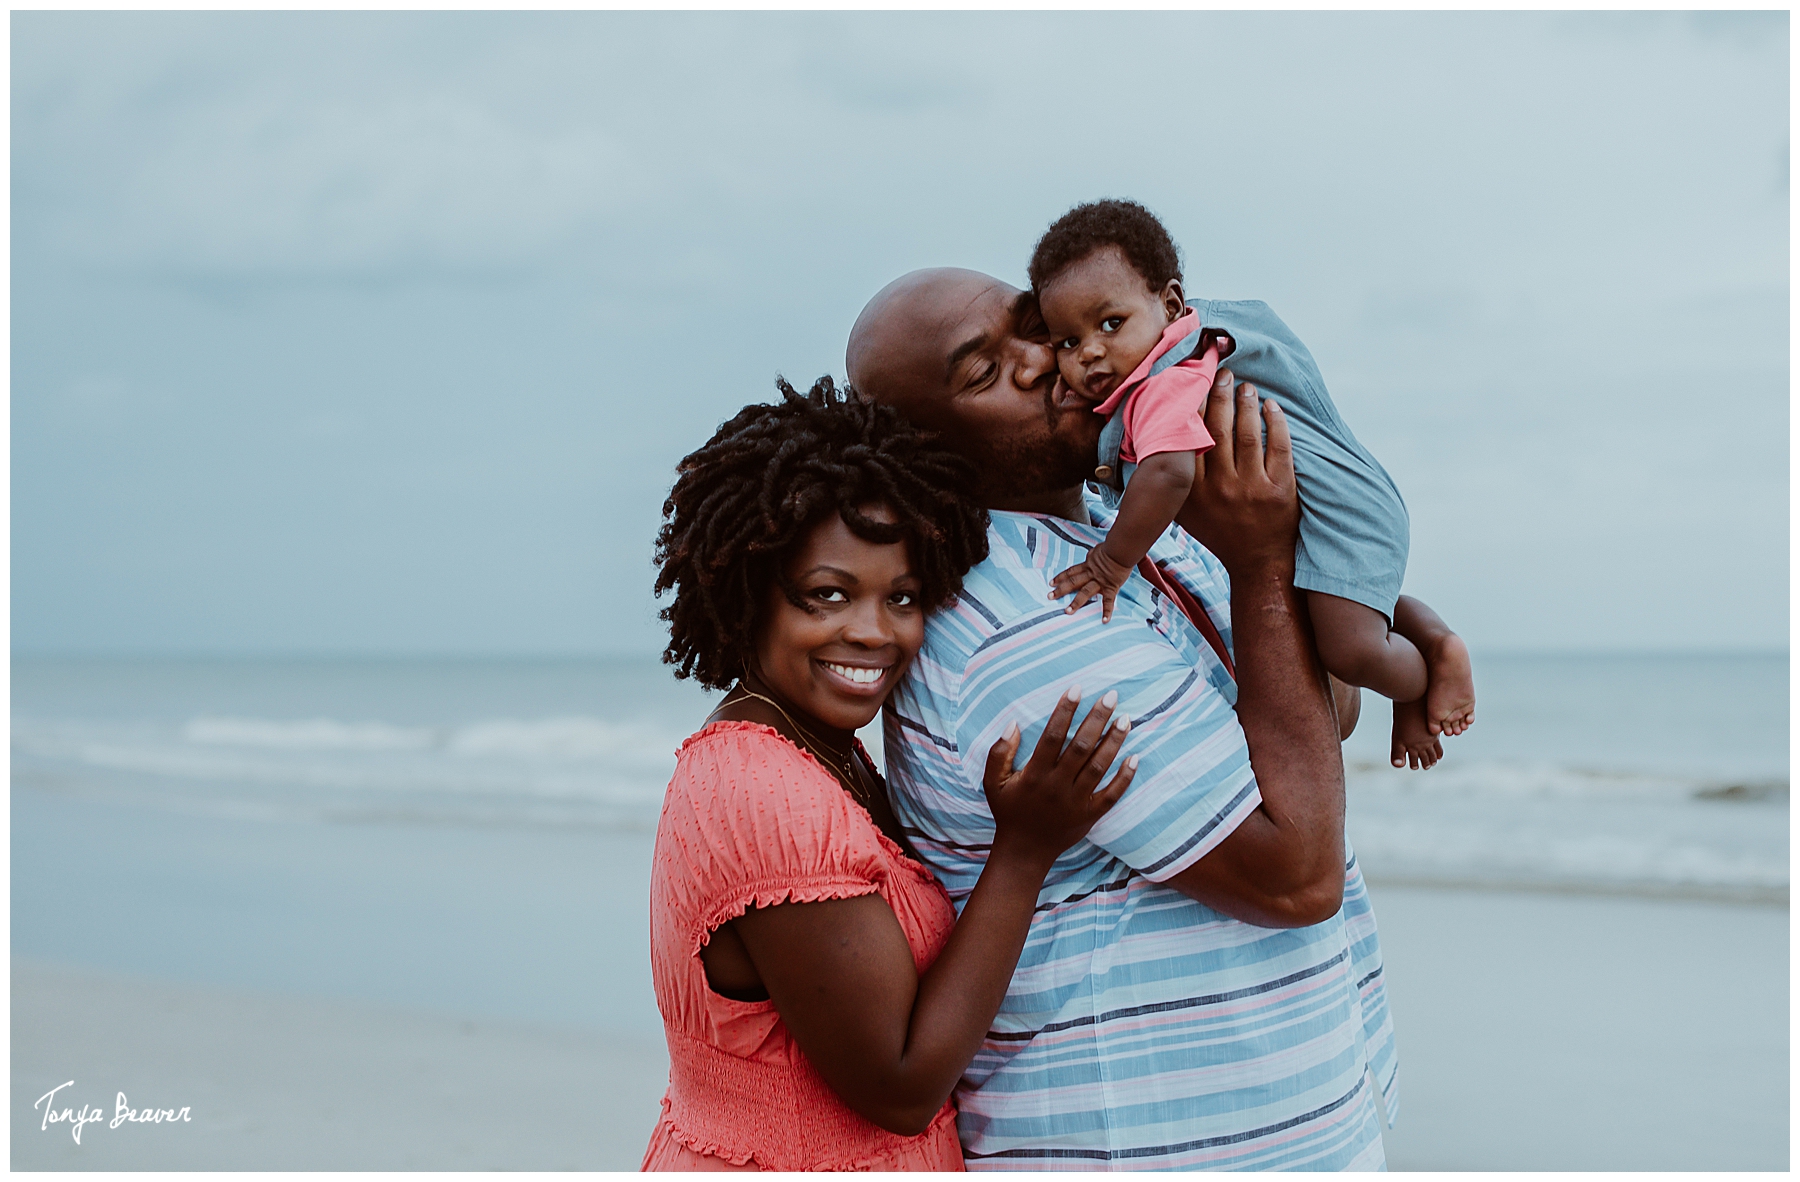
(416, 830)
(1653, 772)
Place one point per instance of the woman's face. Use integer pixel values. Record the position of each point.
(839, 656)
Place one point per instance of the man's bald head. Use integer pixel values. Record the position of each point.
(967, 355)
(893, 351)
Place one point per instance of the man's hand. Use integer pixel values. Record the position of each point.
(1244, 505)
(1283, 866)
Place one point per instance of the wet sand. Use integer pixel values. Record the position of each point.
(1536, 1032)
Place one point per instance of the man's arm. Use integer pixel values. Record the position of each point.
(1283, 865)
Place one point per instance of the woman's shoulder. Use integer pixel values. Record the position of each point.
(727, 756)
(744, 792)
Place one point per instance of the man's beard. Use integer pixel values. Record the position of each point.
(1014, 469)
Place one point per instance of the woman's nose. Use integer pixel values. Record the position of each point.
(866, 624)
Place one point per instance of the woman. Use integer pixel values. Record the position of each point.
(819, 993)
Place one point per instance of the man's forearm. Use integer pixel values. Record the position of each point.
(1284, 865)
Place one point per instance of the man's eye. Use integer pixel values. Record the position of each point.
(1111, 323)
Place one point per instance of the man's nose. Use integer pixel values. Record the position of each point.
(1034, 362)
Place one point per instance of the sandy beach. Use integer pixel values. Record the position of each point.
(286, 1083)
(396, 916)
(1537, 1031)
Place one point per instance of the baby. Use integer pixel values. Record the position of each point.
(1108, 280)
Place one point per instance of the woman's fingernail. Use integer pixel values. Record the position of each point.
(1012, 730)
(1111, 699)
(1132, 763)
(1073, 693)
(1123, 722)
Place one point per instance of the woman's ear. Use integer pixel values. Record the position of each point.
(1174, 306)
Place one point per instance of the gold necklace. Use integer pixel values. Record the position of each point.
(841, 771)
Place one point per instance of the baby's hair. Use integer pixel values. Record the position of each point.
(744, 501)
(1111, 222)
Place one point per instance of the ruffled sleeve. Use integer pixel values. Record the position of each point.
(748, 820)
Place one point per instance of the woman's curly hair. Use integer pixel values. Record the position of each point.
(1109, 222)
(745, 500)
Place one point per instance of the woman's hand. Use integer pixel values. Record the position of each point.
(890, 1042)
(1048, 805)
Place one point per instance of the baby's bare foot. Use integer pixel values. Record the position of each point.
(1414, 745)
(1450, 697)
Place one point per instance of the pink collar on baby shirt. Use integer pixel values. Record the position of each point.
(1182, 325)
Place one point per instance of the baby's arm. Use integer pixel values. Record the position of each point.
(1158, 489)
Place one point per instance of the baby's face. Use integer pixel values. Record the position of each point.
(1104, 320)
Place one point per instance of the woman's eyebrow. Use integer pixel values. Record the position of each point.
(837, 571)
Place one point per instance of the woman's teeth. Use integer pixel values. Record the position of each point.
(853, 673)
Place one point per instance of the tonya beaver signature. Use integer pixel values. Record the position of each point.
(76, 1118)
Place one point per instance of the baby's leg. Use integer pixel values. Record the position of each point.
(1358, 647)
(1450, 702)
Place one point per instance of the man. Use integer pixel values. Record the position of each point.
(1202, 985)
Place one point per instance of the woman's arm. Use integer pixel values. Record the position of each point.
(893, 1043)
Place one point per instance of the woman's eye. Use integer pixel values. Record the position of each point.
(904, 599)
(1111, 323)
(831, 595)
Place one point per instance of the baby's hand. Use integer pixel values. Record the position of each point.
(1099, 575)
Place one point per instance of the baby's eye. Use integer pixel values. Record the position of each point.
(1068, 342)
(1111, 323)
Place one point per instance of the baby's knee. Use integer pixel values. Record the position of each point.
(1352, 639)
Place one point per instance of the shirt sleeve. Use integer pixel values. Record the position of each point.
(1165, 413)
(752, 822)
(1194, 783)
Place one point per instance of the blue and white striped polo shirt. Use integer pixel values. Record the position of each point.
(1143, 1029)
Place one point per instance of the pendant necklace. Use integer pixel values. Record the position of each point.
(819, 751)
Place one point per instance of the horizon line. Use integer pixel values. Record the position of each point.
(375, 655)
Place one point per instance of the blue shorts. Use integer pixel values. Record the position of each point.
(1354, 529)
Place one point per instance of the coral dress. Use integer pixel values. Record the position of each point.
(752, 820)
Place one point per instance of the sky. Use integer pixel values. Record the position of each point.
(340, 333)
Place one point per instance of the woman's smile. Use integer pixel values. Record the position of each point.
(861, 678)
(839, 633)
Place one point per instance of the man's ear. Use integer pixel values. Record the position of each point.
(1174, 307)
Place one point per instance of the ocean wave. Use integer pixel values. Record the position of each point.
(1502, 823)
(568, 757)
(314, 734)
(1467, 822)
(1506, 779)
